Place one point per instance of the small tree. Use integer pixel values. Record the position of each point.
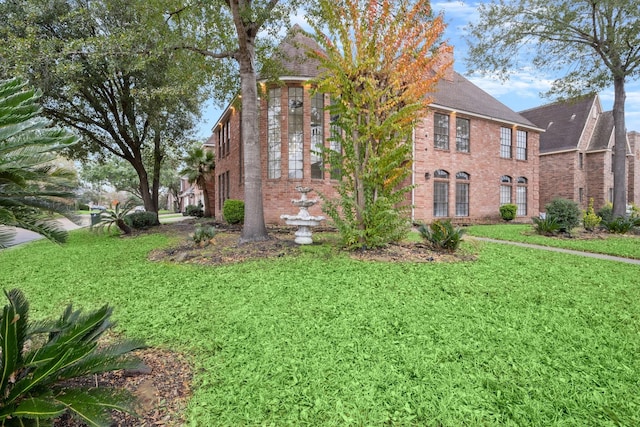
(380, 62)
(200, 165)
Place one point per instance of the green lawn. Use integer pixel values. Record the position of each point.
(518, 337)
(612, 244)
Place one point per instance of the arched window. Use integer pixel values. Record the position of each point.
(521, 196)
(462, 194)
(506, 184)
(441, 193)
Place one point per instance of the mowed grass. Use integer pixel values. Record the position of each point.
(611, 244)
(518, 337)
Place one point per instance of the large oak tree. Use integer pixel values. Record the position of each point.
(594, 43)
(104, 70)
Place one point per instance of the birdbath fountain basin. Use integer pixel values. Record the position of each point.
(303, 220)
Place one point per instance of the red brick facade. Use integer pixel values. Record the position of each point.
(482, 164)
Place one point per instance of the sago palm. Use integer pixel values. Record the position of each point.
(31, 184)
(200, 164)
(38, 359)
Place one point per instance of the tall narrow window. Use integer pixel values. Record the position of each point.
(274, 136)
(506, 184)
(227, 143)
(505, 143)
(317, 135)
(441, 131)
(521, 196)
(521, 145)
(462, 194)
(334, 145)
(441, 193)
(581, 194)
(462, 135)
(581, 160)
(296, 140)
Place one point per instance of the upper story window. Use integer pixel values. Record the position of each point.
(224, 139)
(441, 131)
(521, 145)
(463, 131)
(274, 134)
(581, 160)
(505, 143)
(317, 135)
(296, 132)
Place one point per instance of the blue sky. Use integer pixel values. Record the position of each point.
(520, 92)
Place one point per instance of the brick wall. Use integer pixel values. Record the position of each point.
(482, 163)
(634, 168)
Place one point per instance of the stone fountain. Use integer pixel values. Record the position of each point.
(303, 220)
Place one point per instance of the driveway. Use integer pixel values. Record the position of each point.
(24, 236)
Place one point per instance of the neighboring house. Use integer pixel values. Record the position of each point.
(471, 153)
(576, 152)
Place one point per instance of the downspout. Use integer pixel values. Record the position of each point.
(413, 174)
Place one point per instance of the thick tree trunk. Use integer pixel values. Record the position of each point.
(254, 228)
(620, 150)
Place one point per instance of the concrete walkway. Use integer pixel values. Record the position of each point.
(562, 250)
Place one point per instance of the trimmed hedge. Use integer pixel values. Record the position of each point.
(233, 211)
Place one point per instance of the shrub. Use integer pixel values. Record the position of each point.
(233, 211)
(566, 213)
(508, 211)
(546, 226)
(606, 212)
(140, 220)
(116, 217)
(83, 207)
(619, 225)
(589, 218)
(193, 210)
(442, 235)
(203, 234)
(39, 358)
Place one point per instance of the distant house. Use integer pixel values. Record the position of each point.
(471, 153)
(576, 152)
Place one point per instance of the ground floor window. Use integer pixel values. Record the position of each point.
(462, 194)
(441, 194)
(521, 196)
(505, 190)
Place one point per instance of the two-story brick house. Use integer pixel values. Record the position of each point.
(576, 152)
(471, 153)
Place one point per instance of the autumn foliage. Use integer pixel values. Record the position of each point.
(381, 60)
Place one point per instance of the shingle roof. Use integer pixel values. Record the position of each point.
(602, 133)
(460, 94)
(295, 60)
(563, 121)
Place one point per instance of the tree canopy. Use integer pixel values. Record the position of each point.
(381, 61)
(593, 43)
(105, 70)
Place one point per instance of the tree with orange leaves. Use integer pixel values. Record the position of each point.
(381, 60)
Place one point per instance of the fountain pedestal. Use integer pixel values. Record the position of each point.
(303, 220)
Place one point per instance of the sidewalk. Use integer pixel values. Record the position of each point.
(553, 249)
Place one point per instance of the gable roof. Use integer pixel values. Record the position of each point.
(564, 122)
(293, 56)
(458, 93)
(602, 133)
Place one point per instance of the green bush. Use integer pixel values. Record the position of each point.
(39, 358)
(233, 211)
(606, 212)
(193, 210)
(442, 235)
(546, 226)
(589, 219)
(203, 234)
(565, 212)
(620, 225)
(83, 207)
(139, 220)
(508, 211)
